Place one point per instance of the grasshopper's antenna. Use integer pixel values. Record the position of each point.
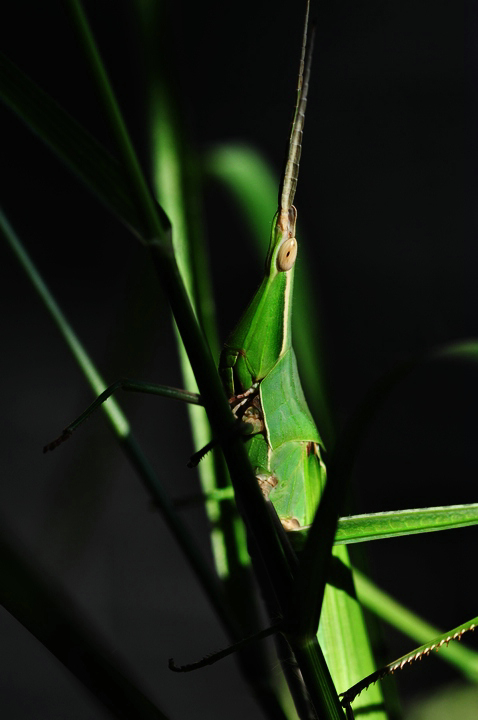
(290, 174)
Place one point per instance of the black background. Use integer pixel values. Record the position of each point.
(386, 202)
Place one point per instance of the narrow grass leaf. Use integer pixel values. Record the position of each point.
(395, 523)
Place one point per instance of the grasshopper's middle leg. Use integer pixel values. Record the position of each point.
(130, 386)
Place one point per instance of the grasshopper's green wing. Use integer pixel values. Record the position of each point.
(286, 414)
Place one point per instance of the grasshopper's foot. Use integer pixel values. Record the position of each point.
(66, 434)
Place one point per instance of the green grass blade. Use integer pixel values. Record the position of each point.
(395, 523)
(111, 408)
(344, 636)
(253, 185)
(317, 679)
(168, 163)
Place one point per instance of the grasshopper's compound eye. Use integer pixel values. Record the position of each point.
(287, 255)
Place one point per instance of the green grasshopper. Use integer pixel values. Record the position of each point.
(258, 365)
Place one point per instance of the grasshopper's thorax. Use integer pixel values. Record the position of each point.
(263, 334)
